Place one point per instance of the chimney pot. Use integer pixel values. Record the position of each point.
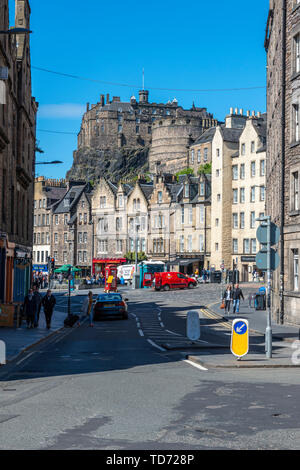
(241, 112)
(236, 110)
(231, 110)
(248, 113)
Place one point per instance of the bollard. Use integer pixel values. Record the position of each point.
(193, 331)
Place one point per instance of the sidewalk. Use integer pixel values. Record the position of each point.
(21, 339)
(284, 348)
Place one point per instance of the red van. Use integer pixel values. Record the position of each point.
(173, 280)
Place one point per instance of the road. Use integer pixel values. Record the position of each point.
(115, 386)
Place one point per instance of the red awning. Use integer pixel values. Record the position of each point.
(109, 260)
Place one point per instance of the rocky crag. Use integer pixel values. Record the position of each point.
(123, 164)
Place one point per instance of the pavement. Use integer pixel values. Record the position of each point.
(19, 340)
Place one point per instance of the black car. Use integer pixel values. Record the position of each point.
(110, 304)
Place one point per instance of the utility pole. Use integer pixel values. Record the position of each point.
(269, 327)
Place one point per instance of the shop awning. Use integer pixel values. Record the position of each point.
(109, 260)
(185, 261)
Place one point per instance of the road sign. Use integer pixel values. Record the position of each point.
(262, 259)
(262, 236)
(193, 325)
(240, 337)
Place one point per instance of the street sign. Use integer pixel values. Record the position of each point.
(240, 337)
(262, 236)
(193, 325)
(262, 259)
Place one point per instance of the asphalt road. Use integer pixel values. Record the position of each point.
(115, 387)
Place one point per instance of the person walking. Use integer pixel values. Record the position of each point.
(38, 302)
(29, 308)
(87, 309)
(236, 297)
(48, 302)
(227, 298)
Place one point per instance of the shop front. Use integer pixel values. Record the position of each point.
(22, 274)
(99, 264)
(187, 265)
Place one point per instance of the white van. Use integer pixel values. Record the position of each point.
(127, 271)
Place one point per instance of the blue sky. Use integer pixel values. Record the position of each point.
(182, 45)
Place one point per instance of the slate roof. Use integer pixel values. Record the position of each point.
(116, 105)
(230, 134)
(207, 136)
(147, 190)
(73, 194)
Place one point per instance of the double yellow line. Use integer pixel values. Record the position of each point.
(214, 316)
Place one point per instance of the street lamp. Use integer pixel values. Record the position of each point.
(12, 31)
(54, 162)
(137, 227)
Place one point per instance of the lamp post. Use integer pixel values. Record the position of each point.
(137, 227)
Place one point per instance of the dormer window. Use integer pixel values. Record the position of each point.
(159, 197)
(186, 191)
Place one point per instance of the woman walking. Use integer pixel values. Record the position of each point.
(227, 298)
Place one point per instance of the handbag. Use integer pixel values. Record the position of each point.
(222, 305)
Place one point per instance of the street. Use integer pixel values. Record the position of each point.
(117, 386)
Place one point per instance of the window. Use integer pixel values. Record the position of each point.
(296, 122)
(85, 218)
(65, 256)
(235, 174)
(201, 214)
(235, 245)
(202, 189)
(143, 223)
(217, 222)
(119, 246)
(252, 220)
(242, 171)
(85, 237)
(242, 195)
(182, 215)
(295, 191)
(118, 223)
(235, 220)
(262, 168)
(201, 242)
(120, 199)
(252, 194)
(243, 149)
(137, 129)
(253, 246)
(79, 237)
(186, 191)
(217, 173)
(47, 219)
(190, 243)
(252, 146)
(199, 156)
(262, 193)
(190, 215)
(246, 246)
(159, 197)
(297, 52)
(218, 197)
(242, 220)
(120, 128)
(205, 154)
(56, 238)
(65, 237)
(235, 196)
(296, 269)
(65, 219)
(193, 156)
(218, 152)
(79, 256)
(102, 202)
(56, 220)
(217, 246)
(102, 246)
(181, 247)
(252, 169)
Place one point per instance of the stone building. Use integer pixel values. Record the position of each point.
(47, 192)
(17, 148)
(172, 139)
(283, 151)
(200, 151)
(238, 190)
(72, 233)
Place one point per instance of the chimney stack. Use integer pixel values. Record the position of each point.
(107, 98)
(87, 107)
(248, 113)
(231, 111)
(102, 102)
(241, 112)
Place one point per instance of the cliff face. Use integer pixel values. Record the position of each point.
(90, 164)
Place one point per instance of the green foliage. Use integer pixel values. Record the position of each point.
(186, 171)
(130, 256)
(204, 169)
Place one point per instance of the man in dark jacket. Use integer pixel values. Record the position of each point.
(48, 303)
(38, 301)
(29, 308)
(236, 296)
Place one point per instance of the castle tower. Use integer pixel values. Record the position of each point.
(144, 96)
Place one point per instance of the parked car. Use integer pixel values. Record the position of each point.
(173, 280)
(110, 304)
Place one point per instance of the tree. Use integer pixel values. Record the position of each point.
(204, 169)
(130, 256)
(186, 171)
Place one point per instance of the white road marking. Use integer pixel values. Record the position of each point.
(191, 363)
(173, 333)
(141, 332)
(26, 357)
(156, 345)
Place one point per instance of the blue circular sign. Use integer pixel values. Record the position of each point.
(240, 327)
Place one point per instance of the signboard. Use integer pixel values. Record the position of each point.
(240, 337)
(262, 260)
(262, 235)
(193, 325)
(248, 259)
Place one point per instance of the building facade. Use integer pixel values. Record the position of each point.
(17, 148)
(283, 151)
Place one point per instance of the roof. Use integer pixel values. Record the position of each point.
(147, 190)
(230, 134)
(116, 106)
(207, 136)
(72, 195)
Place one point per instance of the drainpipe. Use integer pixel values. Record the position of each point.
(283, 129)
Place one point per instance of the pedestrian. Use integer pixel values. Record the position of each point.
(227, 298)
(236, 296)
(29, 308)
(38, 302)
(87, 308)
(48, 302)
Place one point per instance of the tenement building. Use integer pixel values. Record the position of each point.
(47, 192)
(17, 156)
(283, 151)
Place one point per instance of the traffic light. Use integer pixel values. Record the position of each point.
(52, 263)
